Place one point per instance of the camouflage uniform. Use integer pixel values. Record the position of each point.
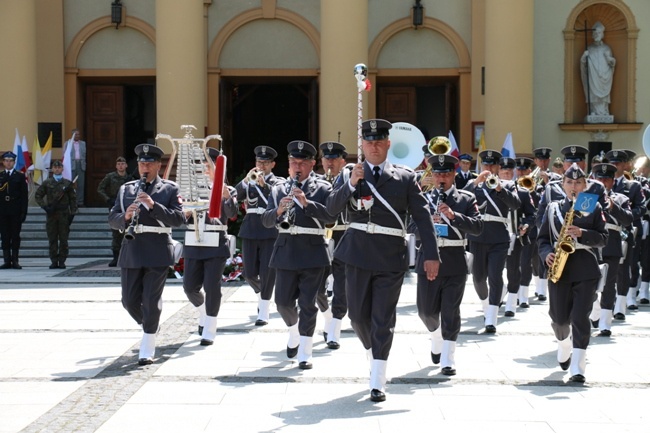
(58, 216)
(108, 189)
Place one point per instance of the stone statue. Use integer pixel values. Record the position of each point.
(597, 71)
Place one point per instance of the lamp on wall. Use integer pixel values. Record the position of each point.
(116, 13)
(418, 14)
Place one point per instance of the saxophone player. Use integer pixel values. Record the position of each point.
(455, 214)
(300, 255)
(572, 296)
(257, 240)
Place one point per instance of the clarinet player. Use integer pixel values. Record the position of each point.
(148, 216)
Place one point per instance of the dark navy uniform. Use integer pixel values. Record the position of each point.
(518, 271)
(300, 254)
(145, 259)
(571, 298)
(258, 240)
(438, 301)
(463, 177)
(374, 248)
(490, 248)
(14, 198)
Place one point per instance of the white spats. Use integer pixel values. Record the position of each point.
(305, 349)
(147, 346)
(578, 362)
(378, 374)
(210, 328)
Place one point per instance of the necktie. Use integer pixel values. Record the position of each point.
(376, 169)
(615, 184)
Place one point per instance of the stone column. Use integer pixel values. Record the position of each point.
(181, 66)
(509, 73)
(344, 43)
(18, 83)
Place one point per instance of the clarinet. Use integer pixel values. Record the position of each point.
(130, 230)
(286, 223)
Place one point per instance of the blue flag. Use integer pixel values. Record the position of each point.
(585, 202)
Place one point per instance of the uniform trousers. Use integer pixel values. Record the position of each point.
(645, 259)
(10, 232)
(636, 257)
(58, 231)
(116, 241)
(569, 307)
(439, 302)
(142, 290)
(526, 263)
(81, 179)
(339, 298)
(372, 305)
(321, 297)
(487, 271)
(206, 273)
(623, 280)
(608, 297)
(513, 267)
(256, 255)
(299, 285)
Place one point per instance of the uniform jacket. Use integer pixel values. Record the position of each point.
(632, 189)
(378, 252)
(148, 249)
(82, 152)
(57, 197)
(621, 215)
(300, 251)
(555, 192)
(13, 194)
(507, 199)
(110, 186)
(460, 180)
(252, 227)
(467, 221)
(228, 210)
(525, 214)
(583, 263)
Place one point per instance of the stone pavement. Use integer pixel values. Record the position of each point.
(68, 363)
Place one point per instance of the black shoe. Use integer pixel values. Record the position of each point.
(16, 265)
(145, 361)
(490, 329)
(605, 333)
(7, 265)
(329, 293)
(629, 307)
(61, 265)
(619, 316)
(376, 395)
(448, 371)
(578, 378)
(112, 263)
(304, 365)
(325, 336)
(333, 345)
(565, 365)
(541, 297)
(644, 301)
(292, 351)
(54, 266)
(594, 323)
(509, 314)
(524, 305)
(206, 342)
(200, 330)
(435, 358)
(260, 322)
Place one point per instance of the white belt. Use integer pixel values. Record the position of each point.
(494, 218)
(372, 228)
(210, 227)
(339, 227)
(256, 210)
(610, 226)
(451, 242)
(297, 230)
(151, 229)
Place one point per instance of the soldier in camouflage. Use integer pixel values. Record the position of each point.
(59, 200)
(108, 189)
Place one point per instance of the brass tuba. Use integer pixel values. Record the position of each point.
(437, 146)
(565, 246)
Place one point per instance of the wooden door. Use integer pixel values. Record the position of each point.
(397, 104)
(104, 136)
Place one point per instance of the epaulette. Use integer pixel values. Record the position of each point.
(404, 167)
(468, 193)
(169, 182)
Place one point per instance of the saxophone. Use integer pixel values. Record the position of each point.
(565, 246)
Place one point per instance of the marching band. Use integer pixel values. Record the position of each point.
(582, 237)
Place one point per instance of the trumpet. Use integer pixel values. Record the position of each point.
(492, 181)
(328, 175)
(286, 223)
(129, 234)
(253, 175)
(531, 181)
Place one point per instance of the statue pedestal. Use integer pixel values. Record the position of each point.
(593, 118)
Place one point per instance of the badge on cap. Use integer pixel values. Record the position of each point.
(263, 150)
(330, 146)
(573, 150)
(521, 161)
(301, 145)
(441, 159)
(373, 125)
(615, 153)
(145, 148)
(489, 154)
(574, 174)
(603, 168)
